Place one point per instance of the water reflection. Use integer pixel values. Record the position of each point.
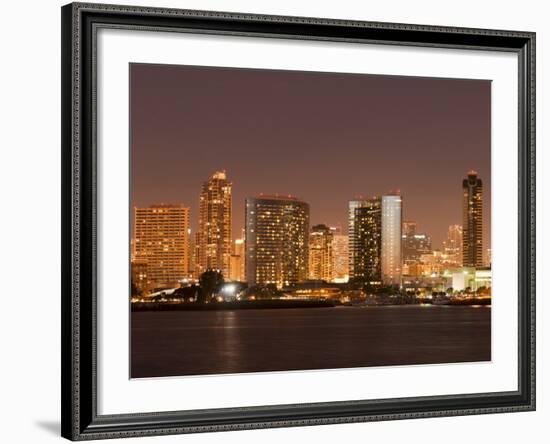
(210, 342)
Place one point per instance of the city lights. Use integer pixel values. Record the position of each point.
(229, 289)
(279, 252)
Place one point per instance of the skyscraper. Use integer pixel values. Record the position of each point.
(391, 239)
(375, 239)
(340, 255)
(213, 238)
(414, 244)
(161, 243)
(452, 246)
(365, 243)
(237, 271)
(277, 237)
(321, 253)
(472, 214)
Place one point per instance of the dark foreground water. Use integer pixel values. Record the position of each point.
(170, 343)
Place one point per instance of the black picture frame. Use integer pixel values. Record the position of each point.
(80, 419)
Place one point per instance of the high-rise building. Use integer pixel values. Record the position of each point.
(340, 255)
(236, 269)
(472, 213)
(392, 205)
(414, 244)
(277, 237)
(375, 239)
(161, 242)
(452, 246)
(365, 240)
(213, 240)
(321, 253)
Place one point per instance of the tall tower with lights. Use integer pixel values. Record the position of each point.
(277, 238)
(213, 239)
(472, 217)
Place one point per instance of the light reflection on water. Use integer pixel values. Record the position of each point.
(208, 342)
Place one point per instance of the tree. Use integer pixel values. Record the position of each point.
(482, 290)
(186, 293)
(211, 281)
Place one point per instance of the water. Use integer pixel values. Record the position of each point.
(171, 343)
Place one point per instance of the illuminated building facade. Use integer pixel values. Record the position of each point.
(141, 284)
(340, 256)
(277, 237)
(213, 240)
(321, 260)
(414, 244)
(365, 240)
(236, 269)
(161, 241)
(472, 213)
(375, 227)
(471, 278)
(392, 213)
(452, 246)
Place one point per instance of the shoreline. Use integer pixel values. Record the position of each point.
(241, 305)
(284, 304)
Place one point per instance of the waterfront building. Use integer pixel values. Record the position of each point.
(340, 256)
(321, 253)
(236, 269)
(161, 244)
(365, 240)
(277, 238)
(471, 278)
(315, 289)
(375, 238)
(375, 250)
(391, 267)
(213, 240)
(472, 210)
(425, 284)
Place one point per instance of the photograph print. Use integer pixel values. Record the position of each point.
(293, 220)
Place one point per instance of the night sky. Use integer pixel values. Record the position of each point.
(324, 137)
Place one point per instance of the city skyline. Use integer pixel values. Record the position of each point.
(280, 246)
(382, 131)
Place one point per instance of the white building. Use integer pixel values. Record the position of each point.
(392, 207)
(465, 277)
